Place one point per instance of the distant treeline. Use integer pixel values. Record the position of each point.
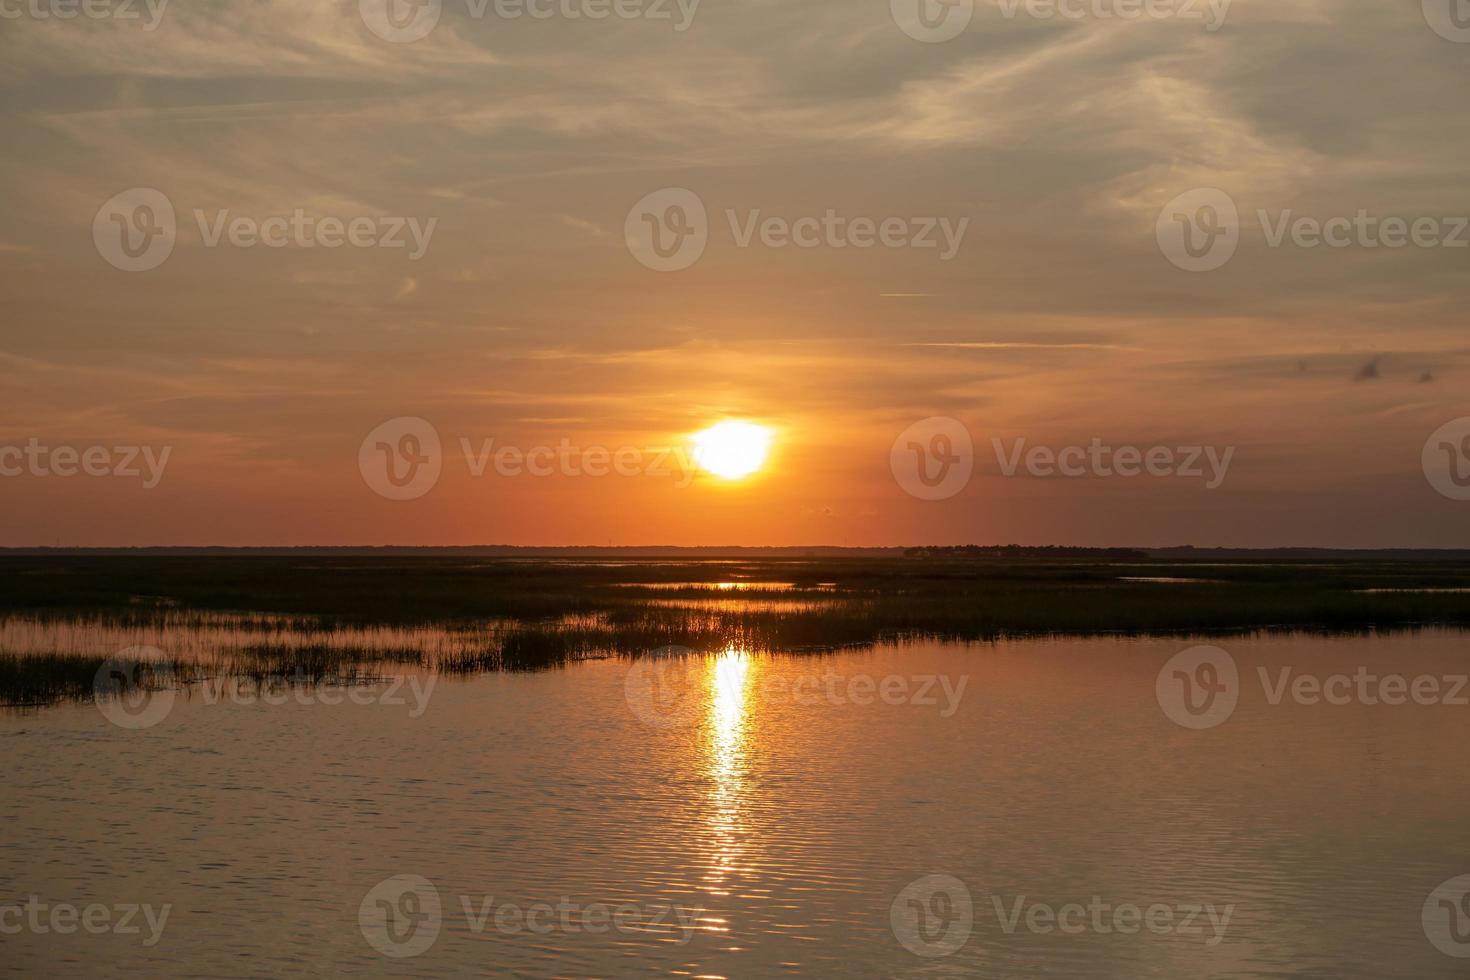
(1184, 553)
(1022, 551)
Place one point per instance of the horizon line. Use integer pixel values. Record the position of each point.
(1145, 550)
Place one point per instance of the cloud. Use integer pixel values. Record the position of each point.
(529, 142)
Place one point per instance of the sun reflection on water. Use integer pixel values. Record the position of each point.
(729, 676)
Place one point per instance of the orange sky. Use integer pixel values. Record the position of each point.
(531, 321)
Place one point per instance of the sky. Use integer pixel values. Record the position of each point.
(914, 249)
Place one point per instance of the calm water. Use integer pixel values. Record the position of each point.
(743, 817)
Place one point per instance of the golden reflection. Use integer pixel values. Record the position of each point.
(730, 676)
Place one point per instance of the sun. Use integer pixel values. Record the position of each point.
(732, 450)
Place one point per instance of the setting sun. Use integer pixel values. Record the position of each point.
(732, 450)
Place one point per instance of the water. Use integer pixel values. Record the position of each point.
(742, 817)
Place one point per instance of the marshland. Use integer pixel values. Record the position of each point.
(312, 617)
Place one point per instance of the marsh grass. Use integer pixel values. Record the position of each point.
(45, 679)
(313, 664)
(328, 618)
(29, 681)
